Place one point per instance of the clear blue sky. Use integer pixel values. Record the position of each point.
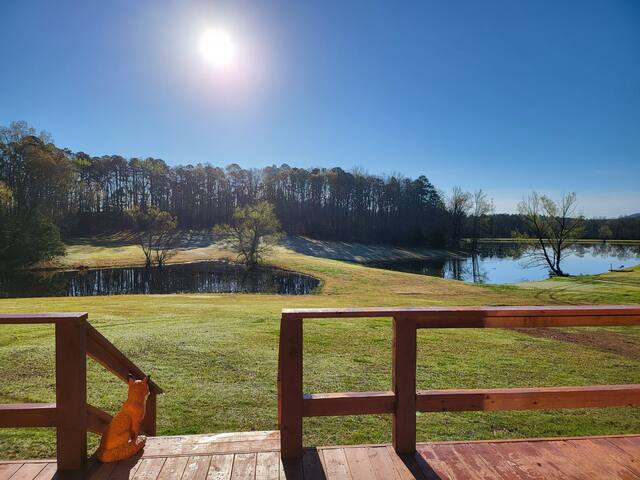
(505, 95)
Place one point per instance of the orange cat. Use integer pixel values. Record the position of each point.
(121, 439)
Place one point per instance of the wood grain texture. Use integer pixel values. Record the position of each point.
(290, 407)
(71, 415)
(348, 403)
(437, 312)
(610, 458)
(28, 471)
(48, 472)
(14, 415)
(173, 468)
(403, 401)
(52, 317)
(404, 385)
(220, 467)
(149, 421)
(267, 466)
(97, 420)
(197, 468)
(528, 398)
(71, 394)
(244, 466)
(149, 469)
(335, 464)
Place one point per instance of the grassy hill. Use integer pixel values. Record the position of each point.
(216, 355)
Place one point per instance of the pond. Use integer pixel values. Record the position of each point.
(505, 262)
(201, 277)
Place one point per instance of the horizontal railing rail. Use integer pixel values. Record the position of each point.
(404, 400)
(71, 415)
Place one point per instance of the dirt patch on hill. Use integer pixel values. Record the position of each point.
(359, 252)
(610, 342)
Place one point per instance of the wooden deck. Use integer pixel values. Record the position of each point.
(255, 455)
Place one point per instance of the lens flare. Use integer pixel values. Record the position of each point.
(217, 47)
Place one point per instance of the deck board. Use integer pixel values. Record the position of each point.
(197, 468)
(244, 466)
(220, 467)
(255, 456)
(8, 469)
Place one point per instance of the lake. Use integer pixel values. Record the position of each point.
(505, 262)
(201, 277)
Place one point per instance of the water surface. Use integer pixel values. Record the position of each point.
(504, 262)
(201, 277)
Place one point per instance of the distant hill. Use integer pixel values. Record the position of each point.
(634, 215)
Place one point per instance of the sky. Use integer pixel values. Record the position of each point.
(508, 96)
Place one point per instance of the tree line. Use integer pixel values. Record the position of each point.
(80, 194)
(502, 225)
(88, 195)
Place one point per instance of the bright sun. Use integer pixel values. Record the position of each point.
(217, 47)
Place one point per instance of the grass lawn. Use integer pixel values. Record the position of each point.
(216, 355)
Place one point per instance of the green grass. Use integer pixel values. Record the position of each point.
(612, 287)
(216, 355)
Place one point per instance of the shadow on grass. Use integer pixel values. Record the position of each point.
(184, 239)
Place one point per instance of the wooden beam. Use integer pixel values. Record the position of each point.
(290, 406)
(404, 385)
(457, 312)
(481, 320)
(71, 393)
(17, 415)
(348, 403)
(528, 398)
(97, 420)
(107, 355)
(149, 425)
(26, 318)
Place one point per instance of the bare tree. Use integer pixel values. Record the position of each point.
(554, 227)
(481, 207)
(158, 237)
(458, 206)
(253, 231)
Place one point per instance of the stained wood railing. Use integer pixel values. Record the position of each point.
(71, 415)
(404, 400)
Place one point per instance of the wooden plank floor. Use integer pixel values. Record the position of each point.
(255, 456)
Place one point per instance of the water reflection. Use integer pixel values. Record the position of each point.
(505, 262)
(201, 277)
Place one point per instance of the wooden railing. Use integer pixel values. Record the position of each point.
(71, 415)
(403, 401)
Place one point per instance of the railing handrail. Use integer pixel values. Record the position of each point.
(100, 349)
(476, 312)
(404, 400)
(52, 317)
(71, 415)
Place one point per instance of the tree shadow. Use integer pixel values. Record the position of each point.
(311, 466)
(419, 467)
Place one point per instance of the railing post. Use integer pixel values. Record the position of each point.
(149, 422)
(404, 385)
(290, 386)
(71, 393)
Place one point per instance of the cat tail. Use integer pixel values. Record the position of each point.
(121, 452)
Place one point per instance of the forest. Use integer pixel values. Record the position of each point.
(45, 187)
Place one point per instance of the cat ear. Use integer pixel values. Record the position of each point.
(131, 379)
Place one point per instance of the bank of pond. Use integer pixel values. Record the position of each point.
(491, 262)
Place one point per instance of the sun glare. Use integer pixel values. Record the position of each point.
(217, 47)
